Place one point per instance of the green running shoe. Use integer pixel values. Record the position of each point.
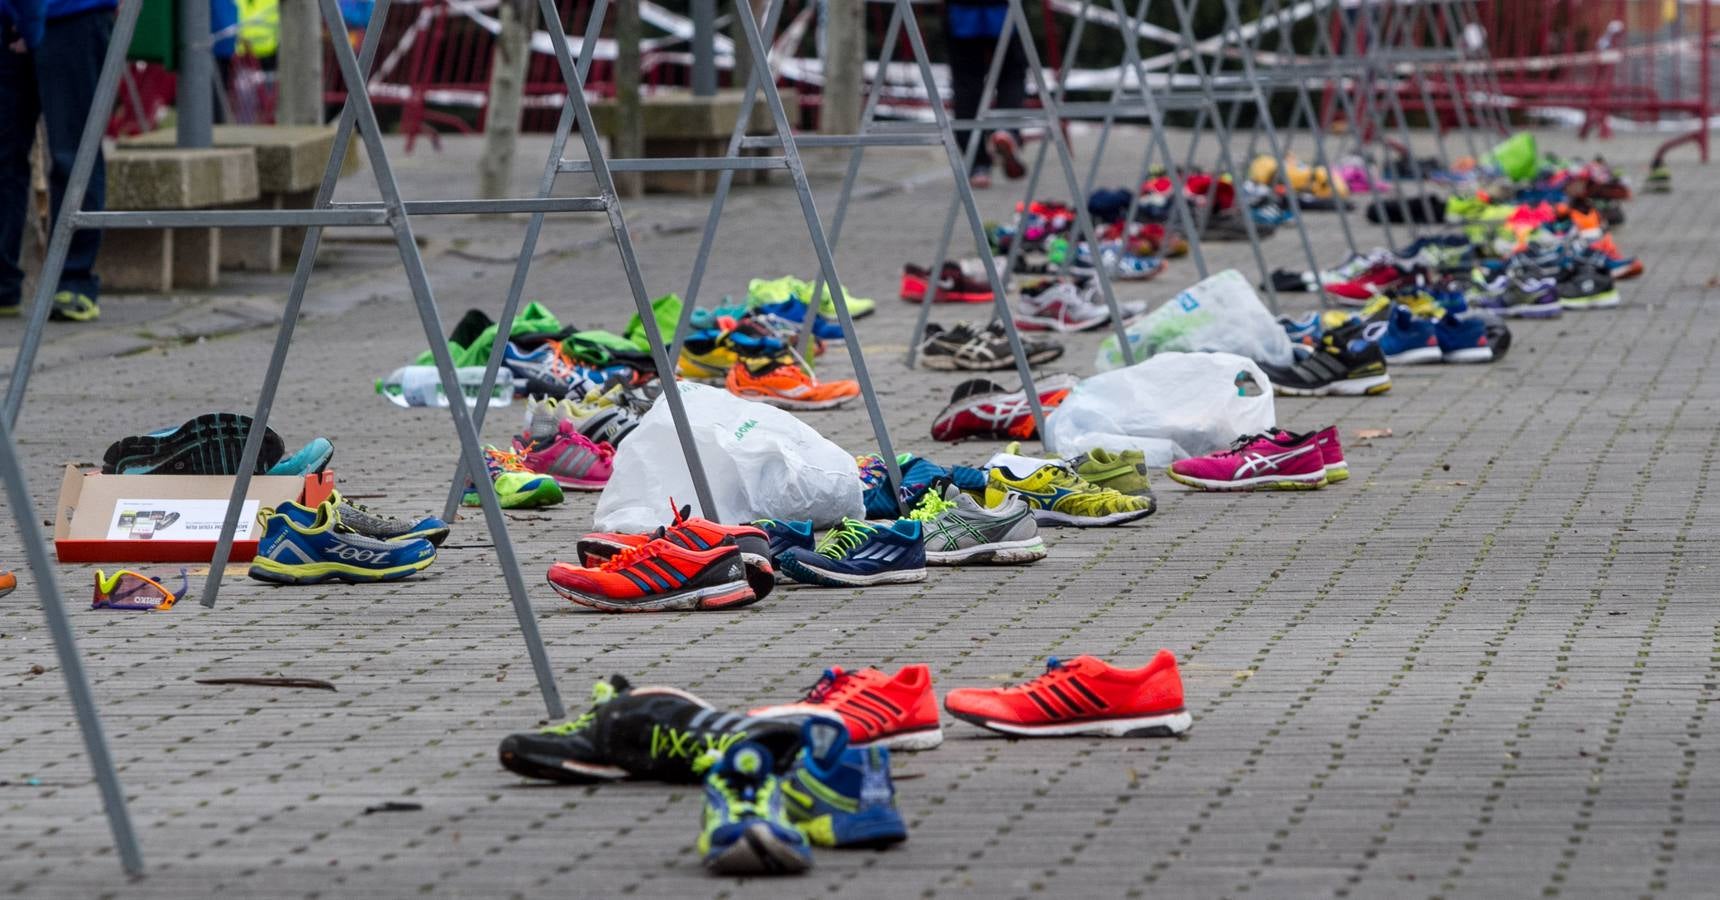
(1124, 472)
(1060, 497)
(516, 486)
(746, 831)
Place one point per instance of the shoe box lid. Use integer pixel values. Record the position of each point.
(166, 518)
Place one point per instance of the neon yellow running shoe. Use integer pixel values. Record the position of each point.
(1060, 497)
(1124, 472)
(516, 486)
(762, 292)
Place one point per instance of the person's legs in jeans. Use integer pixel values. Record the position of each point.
(970, 59)
(67, 66)
(18, 112)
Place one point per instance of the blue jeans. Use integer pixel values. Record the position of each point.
(56, 81)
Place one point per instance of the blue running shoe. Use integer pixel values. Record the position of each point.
(1463, 339)
(1408, 340)
(746, 831)
(858, 554)
(292, 552)
(544, 373)
(784, 535)
(1305, 330)
(842, 796)
(313, 458)
(793, 313)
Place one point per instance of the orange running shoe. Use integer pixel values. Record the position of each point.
(1084, 696)
(693, 533)
(1621, 267)
(780, 382)
(658, 576)
(895, 711)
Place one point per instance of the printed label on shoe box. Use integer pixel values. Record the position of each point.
(176, 520)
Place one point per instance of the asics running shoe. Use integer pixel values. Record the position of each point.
(1060, 497)
(543, 371)
(1061, 306)
(986, 409)
(568, 457)
(898, 711)
(958, 531)
(361, 519)
(648, 733)
(781, 382)
(1084, 696)
(658, 576)
(1331, 454)
(296, 551)
(1275, 462)
(841, 796)
(517, 487)
(694, 533)
(746, 831)
(210, 444)
(968, 346)
(861, 554)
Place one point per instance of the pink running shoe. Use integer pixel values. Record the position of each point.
(1257, 462)
(569, 457)
(1332, 453)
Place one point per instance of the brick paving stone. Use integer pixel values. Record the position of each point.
(1484, 666)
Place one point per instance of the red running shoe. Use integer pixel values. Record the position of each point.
(958, 282)
(895, 711)
(981, 408)
(692, 533)
(1084, 696)
(658, 576)
(1258, 462)
(1362, 289)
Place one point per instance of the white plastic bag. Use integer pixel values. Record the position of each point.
(762, 462)
(1221, 314)
(1172, 406)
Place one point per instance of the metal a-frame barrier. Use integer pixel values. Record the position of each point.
(760, 86)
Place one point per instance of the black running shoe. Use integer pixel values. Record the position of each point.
(968, 347)
(210, 444)
(653, 733)
(1344, 363)
(1583, 286)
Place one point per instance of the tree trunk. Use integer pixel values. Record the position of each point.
(507, 93)
(844, 68)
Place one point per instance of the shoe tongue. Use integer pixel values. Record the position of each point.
(823, 740)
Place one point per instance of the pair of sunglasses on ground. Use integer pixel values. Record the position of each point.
(126, 589)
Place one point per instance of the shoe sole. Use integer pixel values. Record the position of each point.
(791, 403)
(999, 553)
(1606, 300)
(807, 575)
(1164, 725)
(210, 444)
(265, 569)
(561, 771)
(1533, 311)
(908, 741)
(1337, 472)
(1053, 517)
(758, 851)
(1417, 357)
(1259, 483)
(729, 595)
(537, 499)
(1350, 387)
(1469, 355)
(576, 484)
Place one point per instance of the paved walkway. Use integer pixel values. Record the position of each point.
(1482, 667)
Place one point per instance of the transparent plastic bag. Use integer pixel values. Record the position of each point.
(1172, 406)
(1221, 314)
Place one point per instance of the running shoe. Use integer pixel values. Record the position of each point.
(604, 417)
(1344, 364)
(658, 576)
(1060, 497)
(71, 306)
(1056, 305)
(1409, 340)
(1463, 339)
(1006, 149)
(1659, 180)
(756, 546)
(1584, 287)
(985, 409)
(517, 487)
(1276, 462)
(210, 444)
(791, 316)
(746, 831)
(543, 372)
(861, 554)
(841, 796)
(1084, 696)
(897, 711)
(967, 346)
(361, 519)
(311, 459)
(8, 582)
(781, 382)
(705, 356)
(293, 551)
(1519, 296)
(963, 281)
(648, 733)
(1124, 472)
(569, 457)
(958, 531)
(1331, 454)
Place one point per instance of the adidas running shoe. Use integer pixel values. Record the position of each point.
(861, 554)
(694, 533)
(299, 548)
(648, 733)
(658, 576)
(1277, 462)
(958, 531)
(746, 831)
(1058, 496)
(841, 796)
(568, 457)
(1084, 696)
(1344, 363)
(517, 487)
(210, 444)
(898, 711)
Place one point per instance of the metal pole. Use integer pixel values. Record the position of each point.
(66, 647)
(194, 100)
(704, 46)
(299, 59)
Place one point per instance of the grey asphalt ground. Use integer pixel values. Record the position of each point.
(1483, 667)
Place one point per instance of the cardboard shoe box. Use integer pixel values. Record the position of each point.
(166, 518)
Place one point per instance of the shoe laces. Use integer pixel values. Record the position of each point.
(831, 687)
(1055, 671)
(559, 366)
(847, 536)
(631, 555)
(602, 692)
(505, 460)
(930, 507)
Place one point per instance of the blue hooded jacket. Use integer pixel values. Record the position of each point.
(29, 17)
